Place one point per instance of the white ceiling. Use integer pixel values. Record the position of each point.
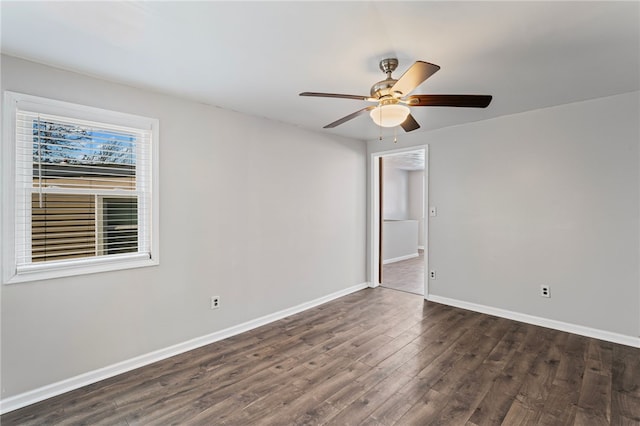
(255, 57)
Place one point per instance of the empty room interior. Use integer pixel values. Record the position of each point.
(402, 191)
(345, 213)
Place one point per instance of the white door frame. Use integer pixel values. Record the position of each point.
(374, 214)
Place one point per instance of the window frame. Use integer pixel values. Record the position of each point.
(101, 218)
(57, 269)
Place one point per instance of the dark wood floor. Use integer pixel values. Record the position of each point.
(375, 357)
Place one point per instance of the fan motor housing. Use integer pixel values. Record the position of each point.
(383, 88)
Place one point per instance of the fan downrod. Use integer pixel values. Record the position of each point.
(382, 89)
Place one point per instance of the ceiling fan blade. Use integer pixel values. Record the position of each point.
(465, 101)
(348, 117)
(337, 95)
(414, 76)
(410, 124)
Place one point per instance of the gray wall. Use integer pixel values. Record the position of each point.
(396, 193)
(544, 197)
(237, 219)
(400, 240)
(416, 201)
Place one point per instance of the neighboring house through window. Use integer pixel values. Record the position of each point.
(83, 187)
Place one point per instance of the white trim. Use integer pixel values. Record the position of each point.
(54, 389)
(7, 159)
(425, 221)
(543, 322)
(374, 219)
(401, 258)
(373, 191)
(420, 247)
(120, 120)
(148, 207)
(81, 267)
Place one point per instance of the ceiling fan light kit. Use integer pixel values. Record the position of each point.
(390, 115)
(391, 95)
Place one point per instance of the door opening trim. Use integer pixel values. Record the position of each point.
(375, 221)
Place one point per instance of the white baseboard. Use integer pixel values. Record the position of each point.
(398, 259)
(543, 322)
(54, 389)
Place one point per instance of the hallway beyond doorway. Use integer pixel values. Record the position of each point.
(406, 275)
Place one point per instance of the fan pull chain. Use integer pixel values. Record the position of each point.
(395, 134)
(380, 127)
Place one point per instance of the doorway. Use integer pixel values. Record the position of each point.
(399, 225)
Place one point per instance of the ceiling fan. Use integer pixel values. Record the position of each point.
(393, 100)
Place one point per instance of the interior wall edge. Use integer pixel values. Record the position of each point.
(54, 389)
(540, 321)
(512, 183)
(249, 241)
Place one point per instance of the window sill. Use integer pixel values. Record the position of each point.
(79, 267)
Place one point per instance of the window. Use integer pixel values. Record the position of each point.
(83, 189)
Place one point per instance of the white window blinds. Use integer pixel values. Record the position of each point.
(83, 191)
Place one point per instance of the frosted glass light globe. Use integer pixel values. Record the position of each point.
(389, 115)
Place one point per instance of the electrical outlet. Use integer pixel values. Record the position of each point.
(215, 302)
(545, 291)
(432, 274)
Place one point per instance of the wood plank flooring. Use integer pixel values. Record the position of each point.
(375, 357)
(406, 275)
